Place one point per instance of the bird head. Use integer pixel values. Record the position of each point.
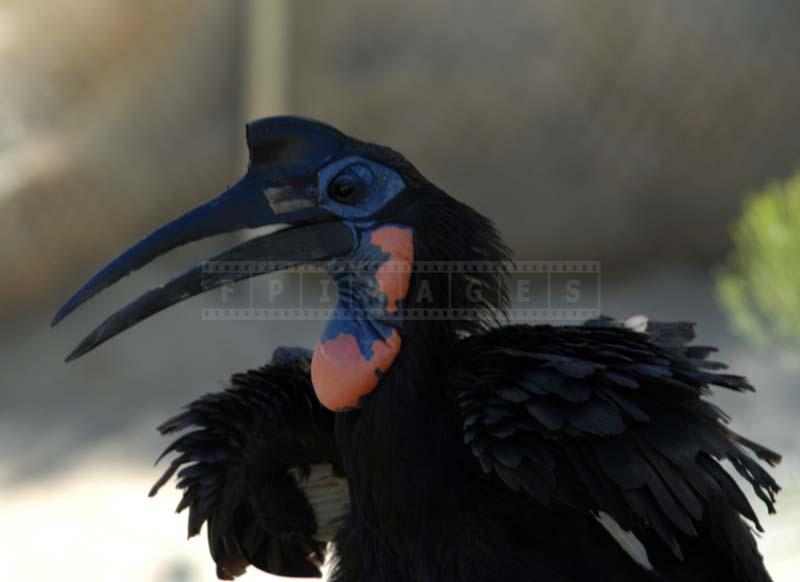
(361, 210)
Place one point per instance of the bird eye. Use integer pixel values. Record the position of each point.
(350, 184)
(344, 189)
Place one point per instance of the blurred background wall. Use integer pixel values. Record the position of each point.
(626, 131)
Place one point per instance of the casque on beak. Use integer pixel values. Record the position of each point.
(278, 188)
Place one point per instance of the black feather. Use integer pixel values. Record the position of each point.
(616, 423)
(233, 468)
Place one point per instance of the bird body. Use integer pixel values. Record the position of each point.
(442, 449)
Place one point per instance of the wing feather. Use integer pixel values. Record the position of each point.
(249, 466)
(608, 417)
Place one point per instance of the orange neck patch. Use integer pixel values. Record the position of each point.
(360, 344)
(394, 276)
(341, 374)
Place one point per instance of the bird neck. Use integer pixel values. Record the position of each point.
(386, 311)
(409, 426)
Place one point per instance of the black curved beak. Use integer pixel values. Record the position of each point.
(278, 188)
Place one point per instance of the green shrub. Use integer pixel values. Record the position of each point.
(759, 286)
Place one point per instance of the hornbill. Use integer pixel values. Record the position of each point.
(439, 448)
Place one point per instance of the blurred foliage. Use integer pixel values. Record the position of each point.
(759, 286)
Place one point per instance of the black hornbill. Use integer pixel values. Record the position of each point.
(439, 449)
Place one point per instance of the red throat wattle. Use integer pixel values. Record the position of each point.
(340, 372)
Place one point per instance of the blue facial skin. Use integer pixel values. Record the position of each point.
(361, 308)
(377, 184)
